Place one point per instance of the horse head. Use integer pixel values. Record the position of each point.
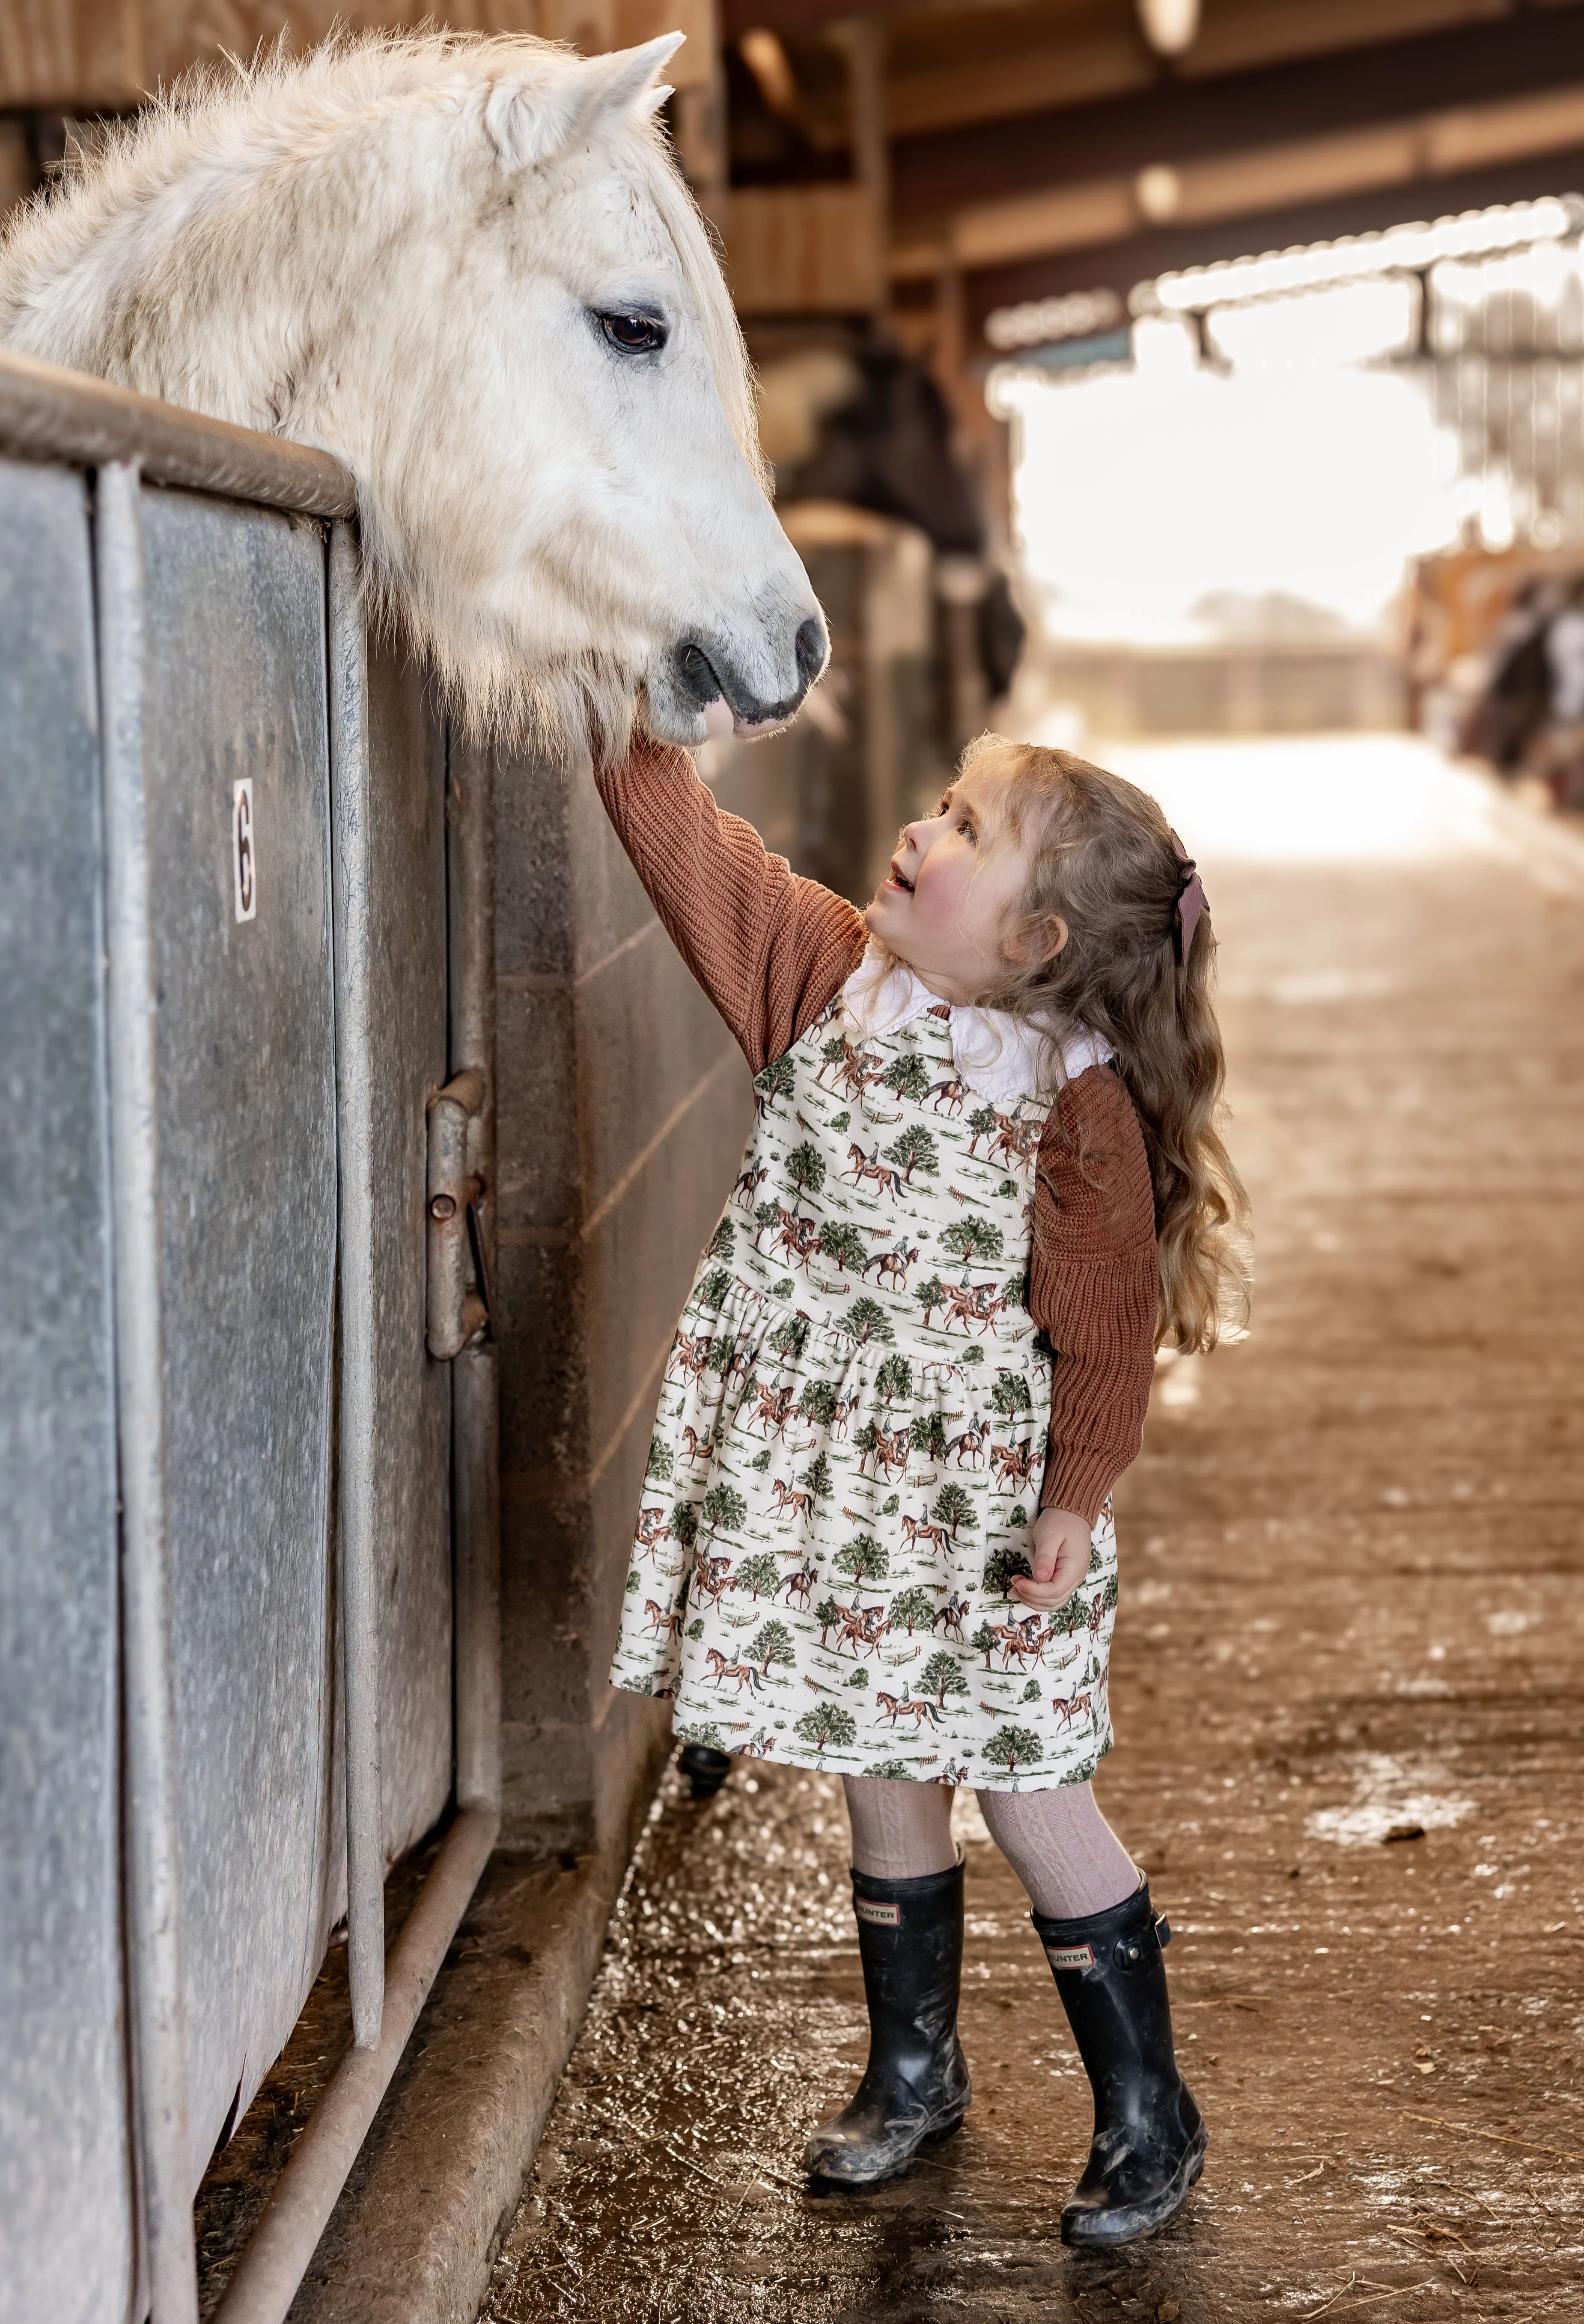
(471, 269)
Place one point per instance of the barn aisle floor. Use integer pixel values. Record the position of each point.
(1347, 1689)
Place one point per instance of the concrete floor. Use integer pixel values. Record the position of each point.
(1346, 1686)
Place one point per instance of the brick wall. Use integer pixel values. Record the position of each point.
(623, 1104)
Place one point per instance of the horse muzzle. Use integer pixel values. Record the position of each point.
(705, 688)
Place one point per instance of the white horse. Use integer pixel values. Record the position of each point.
(471, 269)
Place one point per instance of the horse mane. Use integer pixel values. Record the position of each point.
(281, 106)
(146, 220)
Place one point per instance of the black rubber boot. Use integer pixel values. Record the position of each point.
(915, 2086)
(1149, 2142)
(705, 1769)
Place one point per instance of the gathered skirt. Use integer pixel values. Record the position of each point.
(821, 1564)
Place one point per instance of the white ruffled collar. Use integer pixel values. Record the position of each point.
(1000, 1056)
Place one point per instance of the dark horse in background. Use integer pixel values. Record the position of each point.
(887, 447)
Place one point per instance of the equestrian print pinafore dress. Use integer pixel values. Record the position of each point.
(852, 1430)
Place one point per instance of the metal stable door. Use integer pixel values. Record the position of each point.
(235, 762)
(215, 1314)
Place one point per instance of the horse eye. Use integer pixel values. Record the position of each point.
(634, 335)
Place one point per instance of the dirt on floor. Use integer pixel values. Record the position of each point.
(1349, 1711)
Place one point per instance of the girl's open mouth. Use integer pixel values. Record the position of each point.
(897, 880)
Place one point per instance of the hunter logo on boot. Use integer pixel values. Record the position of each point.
(878, 1916)
(1070, 1956)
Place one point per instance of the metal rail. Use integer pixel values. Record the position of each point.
(272, 2268)
(350, 808)
(154, 1882)
(50, 414)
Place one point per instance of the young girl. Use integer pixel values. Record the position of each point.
(984, 1184)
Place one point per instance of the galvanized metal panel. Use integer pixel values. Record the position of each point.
(413, 1410)
(65, 2191)
(237, 694)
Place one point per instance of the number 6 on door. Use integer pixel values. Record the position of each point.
(243, 866)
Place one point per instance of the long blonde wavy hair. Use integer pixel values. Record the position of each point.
(1102, 858)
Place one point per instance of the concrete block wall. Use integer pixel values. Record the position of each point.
(622, 1107)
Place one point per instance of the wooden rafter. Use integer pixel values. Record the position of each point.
(1182, 121)
(1386, 154)
(1160, 249)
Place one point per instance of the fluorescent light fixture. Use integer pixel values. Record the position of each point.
(1337, 324)
(1042, 322)
(1399, 249)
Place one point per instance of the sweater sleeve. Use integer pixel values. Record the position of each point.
(771, 950)
(1095, 1288)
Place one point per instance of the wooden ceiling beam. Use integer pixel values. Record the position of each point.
(1158, 250)
(1240, 35)
(1022, 66)
(1233, 33)
(740, 16)
(975, 63)
(1179, 122)
(1401, 154)
(954, 66)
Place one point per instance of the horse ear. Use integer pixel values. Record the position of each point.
(628, 81)
(530, 121)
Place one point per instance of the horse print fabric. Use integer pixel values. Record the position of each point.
(851, 1438)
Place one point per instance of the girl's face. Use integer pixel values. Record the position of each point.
(954, 883)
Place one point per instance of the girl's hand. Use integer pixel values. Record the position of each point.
(1059, 1541)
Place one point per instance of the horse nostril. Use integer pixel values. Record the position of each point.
(696, 674)
(810, 648)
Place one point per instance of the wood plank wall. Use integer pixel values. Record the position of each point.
(82, 56)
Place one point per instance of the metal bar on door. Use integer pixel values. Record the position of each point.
(50, 414)
(351, 881)
(154, 1885)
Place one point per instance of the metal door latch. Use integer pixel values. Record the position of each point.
(459, 1297)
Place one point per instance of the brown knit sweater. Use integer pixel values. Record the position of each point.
(772, 951)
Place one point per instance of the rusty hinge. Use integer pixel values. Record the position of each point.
(459, 1308)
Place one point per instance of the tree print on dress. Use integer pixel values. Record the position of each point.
(1008, 1746)
(862, 1560)
(851, 1436)
(830, 1724)
(772, 1643)
(777, 1080)
(912, 1608)
(942, 1675)
(1010, 1394)
(844, 1244)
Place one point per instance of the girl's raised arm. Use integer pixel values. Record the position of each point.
(771, 950)
(1095, 1288)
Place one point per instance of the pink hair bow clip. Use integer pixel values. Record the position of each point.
(1190, 901)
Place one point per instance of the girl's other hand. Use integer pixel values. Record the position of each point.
(1059, 1541)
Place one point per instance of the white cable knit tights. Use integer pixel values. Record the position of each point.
(1058, 1843)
